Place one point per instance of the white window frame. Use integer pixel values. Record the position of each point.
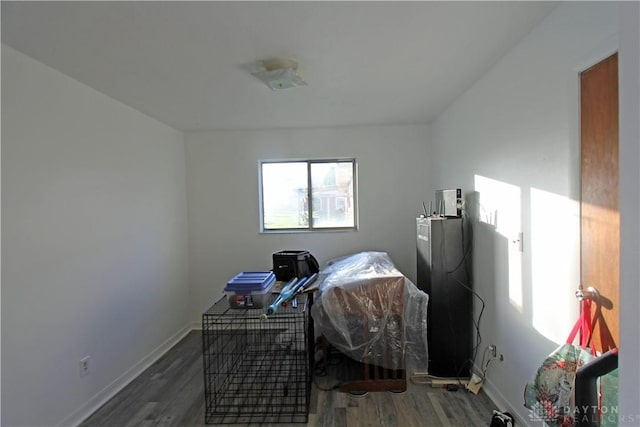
(310, 227)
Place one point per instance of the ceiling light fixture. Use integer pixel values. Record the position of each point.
(279, 73)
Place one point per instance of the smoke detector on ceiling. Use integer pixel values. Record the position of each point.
(278, 73)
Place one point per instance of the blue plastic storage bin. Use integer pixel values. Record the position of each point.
(250, 289)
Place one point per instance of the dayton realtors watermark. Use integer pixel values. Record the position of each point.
(570, 415)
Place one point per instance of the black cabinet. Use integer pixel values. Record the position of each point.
(444, 269)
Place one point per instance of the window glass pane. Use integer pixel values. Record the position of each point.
(284, 195)
(332, 194)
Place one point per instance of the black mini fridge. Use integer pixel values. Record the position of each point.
(444, 273)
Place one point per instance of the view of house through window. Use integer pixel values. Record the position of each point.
(308, 195)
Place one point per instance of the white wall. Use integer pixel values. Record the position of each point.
(512, 140)
(222, 174)
(94, 224)
(94, 232)
(629, 66)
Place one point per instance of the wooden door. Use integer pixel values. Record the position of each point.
(600, 215)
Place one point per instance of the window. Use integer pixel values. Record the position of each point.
(308, 195)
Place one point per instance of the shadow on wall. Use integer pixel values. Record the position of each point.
(503, 278)
(536, 249)
(527, 284)
(503, 321)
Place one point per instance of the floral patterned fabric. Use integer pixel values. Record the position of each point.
(549, 394)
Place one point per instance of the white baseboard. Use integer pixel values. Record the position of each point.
(494, 394)
(196, 326)
(102, 397)
(501, 402)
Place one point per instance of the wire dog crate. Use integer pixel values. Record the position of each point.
(256, 370)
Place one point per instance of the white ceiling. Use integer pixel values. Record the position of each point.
(186, 63)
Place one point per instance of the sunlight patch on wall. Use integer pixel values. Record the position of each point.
(555, 263)
(501, 207)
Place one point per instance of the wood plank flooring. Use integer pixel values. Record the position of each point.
(171, 393)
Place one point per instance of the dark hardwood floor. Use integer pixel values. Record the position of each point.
(171, 393)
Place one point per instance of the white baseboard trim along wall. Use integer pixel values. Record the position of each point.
(102, 397)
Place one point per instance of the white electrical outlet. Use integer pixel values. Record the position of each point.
(85, 366)
(493, 349)
(518, 241)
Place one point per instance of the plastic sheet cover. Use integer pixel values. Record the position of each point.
(371, 312)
